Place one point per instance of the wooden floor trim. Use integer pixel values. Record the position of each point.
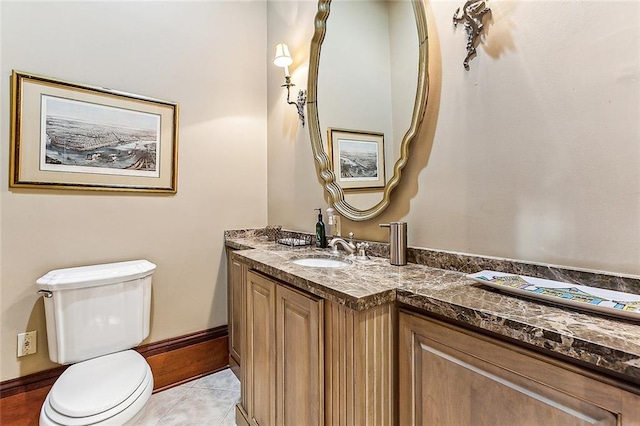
(175, 343)
(173, 361)
(176, 361)
(31, 382)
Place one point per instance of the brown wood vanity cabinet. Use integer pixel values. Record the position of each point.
(307, 360)
(452, 376)
(304, 360)
(282, 370)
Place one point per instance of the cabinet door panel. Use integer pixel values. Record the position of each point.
(260, 350)
(299, 362)
(236, 288)
(460, 390)
(448, 376)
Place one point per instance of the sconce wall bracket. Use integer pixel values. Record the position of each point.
(472, 13)
(300, 102)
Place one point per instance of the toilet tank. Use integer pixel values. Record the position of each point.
(96, 310)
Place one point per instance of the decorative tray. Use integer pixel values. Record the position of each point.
(595, 299)
(292, 238)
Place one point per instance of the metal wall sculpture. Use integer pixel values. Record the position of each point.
(472, 14)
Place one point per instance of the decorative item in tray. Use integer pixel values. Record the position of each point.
(601, 300)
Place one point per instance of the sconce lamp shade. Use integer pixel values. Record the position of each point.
(283, 57)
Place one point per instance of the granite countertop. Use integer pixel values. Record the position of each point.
(607, 344)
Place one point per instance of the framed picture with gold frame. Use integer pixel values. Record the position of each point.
(73, 136)
(357, 158)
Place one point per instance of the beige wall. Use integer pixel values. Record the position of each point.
(207, 56)
(533, 154)
(293, 189)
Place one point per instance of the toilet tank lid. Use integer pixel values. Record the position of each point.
(95, 275)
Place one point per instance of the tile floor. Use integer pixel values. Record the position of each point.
(209, 401)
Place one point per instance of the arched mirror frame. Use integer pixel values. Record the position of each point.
(323, 165)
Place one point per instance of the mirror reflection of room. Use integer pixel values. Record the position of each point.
(367, 78)
(371, 90)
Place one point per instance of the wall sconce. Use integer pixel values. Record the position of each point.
(283, 59)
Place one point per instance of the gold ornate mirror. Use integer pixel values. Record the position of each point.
(366, 97)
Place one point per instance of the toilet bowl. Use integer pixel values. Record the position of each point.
(108, 390)
(95, 315)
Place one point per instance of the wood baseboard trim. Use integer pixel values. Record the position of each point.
(31, 382)
(179, 360)
(179, 342)
(173, 362)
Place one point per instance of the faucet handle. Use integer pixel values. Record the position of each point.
(362, 247)
(351, 234)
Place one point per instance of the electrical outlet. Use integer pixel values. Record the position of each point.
(27, 343)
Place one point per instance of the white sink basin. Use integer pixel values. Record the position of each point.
(320, 262)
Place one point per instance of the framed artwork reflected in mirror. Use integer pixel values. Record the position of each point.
(357, 158)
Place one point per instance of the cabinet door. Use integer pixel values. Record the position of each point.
(259, 367)
(299, 367)
(450, 376)
(236, 284)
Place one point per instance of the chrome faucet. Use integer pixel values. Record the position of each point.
(347, 245)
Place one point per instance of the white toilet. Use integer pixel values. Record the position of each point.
(95, 315)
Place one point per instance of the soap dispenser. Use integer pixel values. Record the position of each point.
(397, 242)
(334, 222)
(321, 240)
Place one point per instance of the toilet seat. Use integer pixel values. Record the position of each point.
(110, 389)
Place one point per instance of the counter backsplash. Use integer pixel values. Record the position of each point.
(468, 263)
